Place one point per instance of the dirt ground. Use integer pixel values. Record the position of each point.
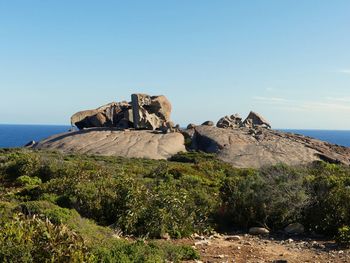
(247, 248)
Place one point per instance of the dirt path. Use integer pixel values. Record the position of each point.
(247, 248)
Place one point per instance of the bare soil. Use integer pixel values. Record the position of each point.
(222, 248)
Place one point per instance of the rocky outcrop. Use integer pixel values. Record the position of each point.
(150, 112)
(113, 114)
(112, 142)
(143, 112)
(233, 121)
(246, 147)
(208, 123)
(255, 120)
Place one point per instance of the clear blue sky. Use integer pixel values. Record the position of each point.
(288, 60)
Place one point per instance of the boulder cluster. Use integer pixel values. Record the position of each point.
(144, 112)
(254, 120)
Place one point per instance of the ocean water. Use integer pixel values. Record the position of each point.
(340, 137)
(18, 135)
(13, 135)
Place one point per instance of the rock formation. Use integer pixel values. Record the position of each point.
(256, 120)
(251, 143)
(233, 121)
(114, 114)
(150, 112)
(143, 112)
(113, 142)
(246, 147)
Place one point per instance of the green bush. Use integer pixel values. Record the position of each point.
(140, 251)
(48, 210)
(26, 181)
(343, 236)
(273, 197)
(31, 239)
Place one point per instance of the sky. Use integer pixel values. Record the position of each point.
(287, 60)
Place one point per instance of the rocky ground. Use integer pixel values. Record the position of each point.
(246, 248)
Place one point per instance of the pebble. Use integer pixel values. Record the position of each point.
(232, 238)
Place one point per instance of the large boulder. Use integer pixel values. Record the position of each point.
(107, 115)
(150, 112)
(255, 120)
(246, 147)
(112, 142)
(143, 112)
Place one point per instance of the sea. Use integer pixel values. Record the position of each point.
(17, 135)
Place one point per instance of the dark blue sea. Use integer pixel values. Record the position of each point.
(13, 135)
(18, 135)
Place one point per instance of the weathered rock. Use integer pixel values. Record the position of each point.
(258, 231)
(105, 116)
(191, 126)
(208, 123)
(233, 121)
(244, 148)
(30, 144)
(255, 120)
(150, 112)
(112, 142)
(294, 229)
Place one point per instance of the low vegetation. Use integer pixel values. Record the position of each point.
(74, 208)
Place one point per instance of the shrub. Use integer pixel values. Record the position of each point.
(28, 181)
(272, 197)
(343, 236)
(30, 239)
(23, 164)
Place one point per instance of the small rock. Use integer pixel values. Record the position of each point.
(30, 143)
(232, 238)
(208, 123)
(258, 231)
(290, 240)
(191, 126)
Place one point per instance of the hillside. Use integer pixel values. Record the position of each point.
(125, 210)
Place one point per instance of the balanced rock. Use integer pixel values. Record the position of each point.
(233, 121)
(255, 120)
(143, 112)
(150, 112)
(108, 115)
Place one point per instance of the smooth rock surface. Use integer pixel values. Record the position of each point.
(258, 231)
(112, 142)
(245, 147)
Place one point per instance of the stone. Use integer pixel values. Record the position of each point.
(264, 147)
(30, 144)
(294, 229)
(208, 123)
(105, 116)
(255, 120)
(191, 126)
(150, 112)
(112, 142)
(233, 238)
(258, 231)
(233, 121)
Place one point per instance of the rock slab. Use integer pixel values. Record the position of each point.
(112, 142)
(254, 148)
